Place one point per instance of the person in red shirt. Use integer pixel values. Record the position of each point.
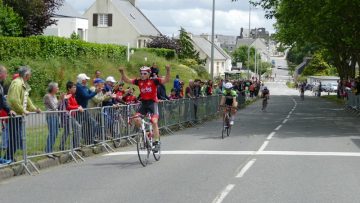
(148, 97)
(70, 105)
(173, 96)
(130, 98)
(119, 92)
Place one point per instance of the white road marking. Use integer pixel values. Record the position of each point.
(245, 168)
(224, 193)
(286, 120)
(288, 116)
(263, 146)
(278, 128)
(275, 153)
(271, 135)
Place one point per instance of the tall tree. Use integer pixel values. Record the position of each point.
(327, 24)
(35, 13)
(187, 50)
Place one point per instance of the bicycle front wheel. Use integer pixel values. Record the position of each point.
(225, 126)
(143, 149)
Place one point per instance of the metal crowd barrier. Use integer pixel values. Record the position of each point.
(49, 133)
(353, 101)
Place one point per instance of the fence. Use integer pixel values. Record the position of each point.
(353, 102)
(30, 137)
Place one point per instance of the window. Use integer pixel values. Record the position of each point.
(102, 20)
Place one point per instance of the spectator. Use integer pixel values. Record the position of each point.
(173, 95)
(71, 105)
(203, 88)
(177, 85)
(181, 89)
(129, 97)
(20, 102)
(209, 88)
(189, 91)
(108, 89)
(154, 70)
(83, 93)
(119, 92)
(52, 104)
(96, 75)
(5, 111)
(217, 89)
(101, 95)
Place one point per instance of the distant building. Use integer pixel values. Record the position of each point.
(119, 22)
(258, 44)
(227, 42)
(222, 61)
(69, 21)
(254, 33)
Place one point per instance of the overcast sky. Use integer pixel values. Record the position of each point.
(195, 15)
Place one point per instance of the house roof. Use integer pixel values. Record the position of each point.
(205, 46)
(67, 11)
(140, 22)
(244, 42)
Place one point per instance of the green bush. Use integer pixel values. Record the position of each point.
(51, 47)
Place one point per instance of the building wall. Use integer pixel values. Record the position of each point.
(121, 32)
(66, 26)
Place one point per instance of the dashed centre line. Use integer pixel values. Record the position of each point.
(271, 135)
(245, 168)
(224, 193)
(278, 128)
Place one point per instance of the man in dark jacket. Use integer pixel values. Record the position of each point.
(83, 93)
(90, 130)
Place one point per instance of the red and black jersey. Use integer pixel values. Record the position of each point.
(148, 88)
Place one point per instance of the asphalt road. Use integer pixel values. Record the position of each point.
(297, 151)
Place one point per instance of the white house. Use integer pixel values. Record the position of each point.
(119, 22)
(222, 61)
(68, 21)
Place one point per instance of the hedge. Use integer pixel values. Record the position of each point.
(166, 53)
(46, 47)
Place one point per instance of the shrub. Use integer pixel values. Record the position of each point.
(166, 53)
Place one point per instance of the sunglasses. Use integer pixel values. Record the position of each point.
(144, 73)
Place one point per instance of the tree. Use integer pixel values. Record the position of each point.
(319, 66)
(75, 36)
(187, 50)
(10, 22)
(241, 55)
(165, 42)
(35, 13)
(331, 25)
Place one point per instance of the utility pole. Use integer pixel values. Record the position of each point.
(212, 41)
(248, 68)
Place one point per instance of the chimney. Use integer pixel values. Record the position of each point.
(132, 2)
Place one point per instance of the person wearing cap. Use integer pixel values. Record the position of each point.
(148, 96)
(108, 89)
(101, 95)
(83, 93)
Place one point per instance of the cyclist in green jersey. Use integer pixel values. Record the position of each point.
(229, 98)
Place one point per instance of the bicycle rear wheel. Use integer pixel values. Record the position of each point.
(157, 154)
(143, 149)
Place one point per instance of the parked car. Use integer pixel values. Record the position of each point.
(330, 87)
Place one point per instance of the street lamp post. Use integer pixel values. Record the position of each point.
(212, 40)
(248, 65)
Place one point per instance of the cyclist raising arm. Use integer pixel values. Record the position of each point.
(148, 96)
(229, 98)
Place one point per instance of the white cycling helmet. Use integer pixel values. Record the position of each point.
(145, 69)
(228, 85)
